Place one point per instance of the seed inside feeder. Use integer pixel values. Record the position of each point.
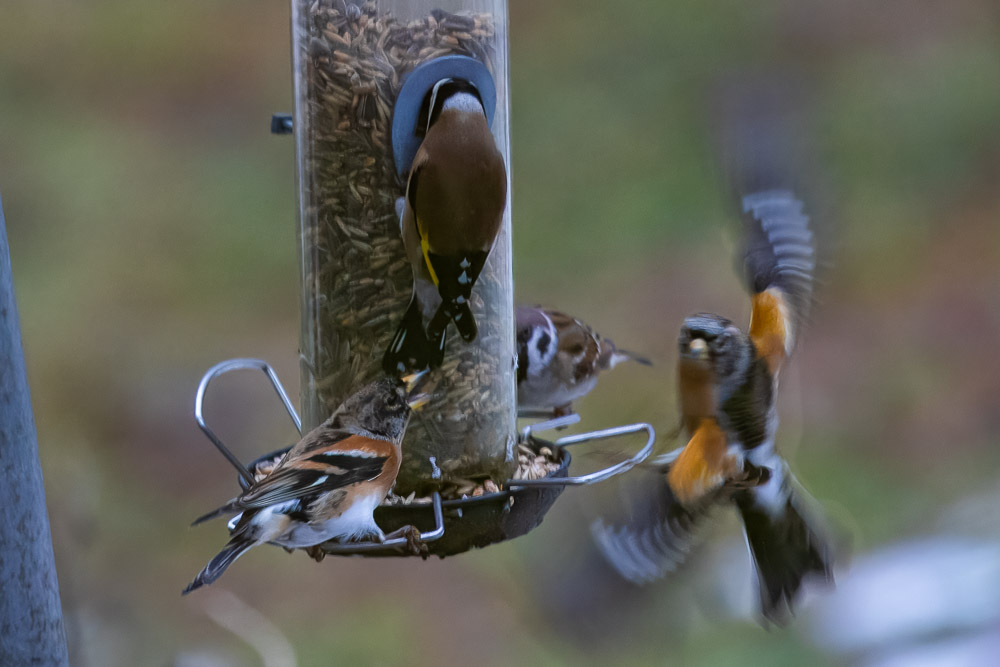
(531, 464)
(356, 282)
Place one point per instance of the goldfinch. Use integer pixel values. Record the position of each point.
(728, 381)
(455, 199)
(327, 486)
(559, 358)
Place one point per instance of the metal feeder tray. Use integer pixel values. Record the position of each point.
(449, 527)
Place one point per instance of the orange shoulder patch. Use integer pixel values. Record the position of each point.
(703, 465)
(770, 327)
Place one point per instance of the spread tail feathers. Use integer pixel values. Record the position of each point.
(233, 550)
(786, 547)
(410, 349)
(456, 277)
(460, 314)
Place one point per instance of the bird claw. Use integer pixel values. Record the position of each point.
(415, 545)
(316, 553)
(562, 411)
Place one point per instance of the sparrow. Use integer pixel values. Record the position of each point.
(456, 194)
(559, 358)
(728, 381)
(328, 484)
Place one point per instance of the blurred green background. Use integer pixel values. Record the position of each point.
(152, 228)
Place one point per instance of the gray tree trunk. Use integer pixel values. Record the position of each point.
(31, 625)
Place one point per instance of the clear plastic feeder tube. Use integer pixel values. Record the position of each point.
(350, 62)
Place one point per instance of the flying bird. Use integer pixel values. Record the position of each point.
(728, 383)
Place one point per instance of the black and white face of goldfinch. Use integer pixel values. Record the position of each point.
(328, 485)
(455, 199)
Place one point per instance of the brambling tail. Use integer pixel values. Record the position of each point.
(236, 547)
(788, 543)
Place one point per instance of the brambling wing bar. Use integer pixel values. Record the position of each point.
(320, 473)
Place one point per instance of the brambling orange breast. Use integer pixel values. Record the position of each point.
(559, 359)
(455, 199)
(728, 380)
(327, 486)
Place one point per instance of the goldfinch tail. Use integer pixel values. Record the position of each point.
(236, 547)
(456, 277)
(461, 315)
(410, 349)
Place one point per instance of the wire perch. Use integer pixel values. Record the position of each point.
(474, 522)
(247, 478)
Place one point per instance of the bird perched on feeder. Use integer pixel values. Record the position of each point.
(328, 485)
(455, 199)
(728, 380)
(559, 358)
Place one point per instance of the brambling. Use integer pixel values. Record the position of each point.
(559, 358)
(328, 484)
(728, 381)
(455, 199)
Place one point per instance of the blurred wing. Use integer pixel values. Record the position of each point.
(654, 532)
(778, 266)
(318, 469)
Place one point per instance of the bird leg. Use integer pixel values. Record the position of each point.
(562, 411)
(414, 544)
(316, 552)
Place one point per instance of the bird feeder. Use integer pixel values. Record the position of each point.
(363, 76)
(455, 525)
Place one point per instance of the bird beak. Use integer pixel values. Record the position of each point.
(418, 401)
(413, 379)
(697, 349)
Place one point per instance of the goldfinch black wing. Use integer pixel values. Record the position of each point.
(779, 262)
